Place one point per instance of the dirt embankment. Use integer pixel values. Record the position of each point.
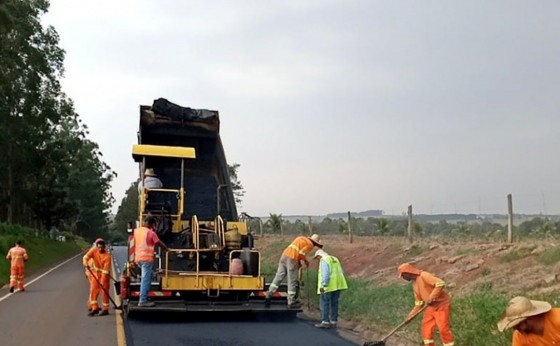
(466, 266)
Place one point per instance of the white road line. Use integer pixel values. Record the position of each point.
(40, 276)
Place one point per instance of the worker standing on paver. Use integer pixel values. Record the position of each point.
(18, 256)
(292, 258)
(97, 262)
(429, 290)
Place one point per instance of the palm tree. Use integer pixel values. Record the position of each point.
(276, 224)
(382, 225)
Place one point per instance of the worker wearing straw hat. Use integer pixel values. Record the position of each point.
(535, 322)
(151, 181)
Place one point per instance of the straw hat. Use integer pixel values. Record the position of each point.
(316, 240)
(519, 308)
(321, 253)
(149, 172)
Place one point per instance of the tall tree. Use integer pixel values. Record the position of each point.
(236, 186)
(50, 174)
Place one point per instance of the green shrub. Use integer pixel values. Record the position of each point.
(516, 254)
(550, 256)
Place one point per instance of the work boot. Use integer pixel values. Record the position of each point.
(332, 325)
(146, 304)
(12, 289)
(294, 305)
(324, 325)
(103, 313)
(93, 313)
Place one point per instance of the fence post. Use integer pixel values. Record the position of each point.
(510, 218)
(310, 226)
(350, 227)
(410, 224)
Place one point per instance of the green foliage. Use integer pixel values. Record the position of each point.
(550, 256)
(127, 212)
(474, 319)
(42, 251)
(515, 254)
(236, 186)
(415, 250)
(51, 174)
(275, 223)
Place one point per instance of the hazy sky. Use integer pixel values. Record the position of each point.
(333, 106)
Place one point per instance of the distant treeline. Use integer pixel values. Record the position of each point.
(385, 226)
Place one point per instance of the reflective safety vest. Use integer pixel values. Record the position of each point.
(299, 248)
(337, 281)
(143, 252)
(131, 248)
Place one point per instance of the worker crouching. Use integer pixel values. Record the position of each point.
(97, 263)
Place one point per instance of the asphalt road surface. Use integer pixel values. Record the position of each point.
(53, 312)
(234, 329)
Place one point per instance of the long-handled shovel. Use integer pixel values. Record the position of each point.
(382, 341)
(117, 307)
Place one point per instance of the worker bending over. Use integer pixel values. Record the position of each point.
(429, 290)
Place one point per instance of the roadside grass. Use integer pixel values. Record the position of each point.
(516, 254)
(42, 251)
(415, 250)
(467, 251)
(549, 256)
(381, 307)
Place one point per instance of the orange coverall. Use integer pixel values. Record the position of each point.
(100, 265)
(551, 333)
(18, 256)
(428, 287)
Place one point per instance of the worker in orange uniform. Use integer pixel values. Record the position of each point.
(535, 322)
(429, 290)
(97, 262)
(18, 256)
(294, 256)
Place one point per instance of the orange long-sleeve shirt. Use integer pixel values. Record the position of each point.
(551, 333)
(429, 287)
(299, 248)
(17, 255)
(99, 262)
